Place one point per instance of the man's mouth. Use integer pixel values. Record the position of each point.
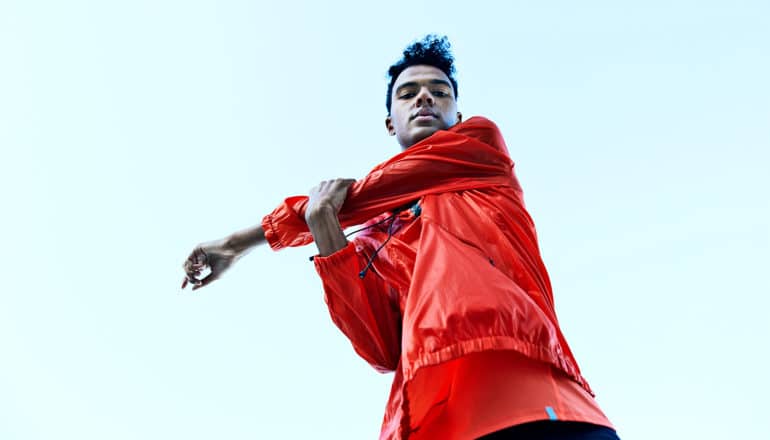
(424, 114)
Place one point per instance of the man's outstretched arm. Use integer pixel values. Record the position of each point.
(217, 256)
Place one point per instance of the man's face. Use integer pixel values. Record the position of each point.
(423, 102)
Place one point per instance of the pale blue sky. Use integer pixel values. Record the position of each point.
(131, 131)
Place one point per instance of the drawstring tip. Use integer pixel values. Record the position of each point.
(362, 274)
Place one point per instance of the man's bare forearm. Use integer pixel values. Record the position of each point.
(326, 230)
(242, 241)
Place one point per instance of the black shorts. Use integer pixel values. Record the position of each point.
(553, 430)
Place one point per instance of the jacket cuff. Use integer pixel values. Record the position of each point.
(345, 257)
(271, 235)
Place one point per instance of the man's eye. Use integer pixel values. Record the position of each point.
(406, 95)
(440, 93)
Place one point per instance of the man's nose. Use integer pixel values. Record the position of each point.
(424, 97)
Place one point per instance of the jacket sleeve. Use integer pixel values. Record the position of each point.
(363, 309)
(444, 162)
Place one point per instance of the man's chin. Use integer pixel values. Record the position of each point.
(420, 133)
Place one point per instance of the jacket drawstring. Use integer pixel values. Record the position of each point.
(363, 272)
(367, 227)
(416, 211)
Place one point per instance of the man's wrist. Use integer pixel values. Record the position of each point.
(325, 227)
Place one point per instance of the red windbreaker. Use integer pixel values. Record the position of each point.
(476, 281)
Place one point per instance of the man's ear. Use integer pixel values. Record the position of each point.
(389, 126)
(459, 117)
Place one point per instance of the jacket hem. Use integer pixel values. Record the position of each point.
(553, 356)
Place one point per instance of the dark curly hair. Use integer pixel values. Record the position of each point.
(432, 50)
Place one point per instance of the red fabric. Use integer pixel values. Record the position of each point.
(484, 392)
(471, 281)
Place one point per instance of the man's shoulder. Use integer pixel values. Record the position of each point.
(482, 129)
(475, 123)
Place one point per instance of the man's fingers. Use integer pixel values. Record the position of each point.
(193, 266)
(196, 259)
(200, 256)
(205, 282)
(346, 184)
(193, 273)
(190, 280)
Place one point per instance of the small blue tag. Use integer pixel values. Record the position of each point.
(551, 413)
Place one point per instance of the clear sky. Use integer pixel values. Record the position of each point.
(133, 130)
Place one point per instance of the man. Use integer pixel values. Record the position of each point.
(444, 284)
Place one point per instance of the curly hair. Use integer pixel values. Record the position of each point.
(432, 50)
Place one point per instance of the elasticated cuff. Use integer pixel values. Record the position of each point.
(342, 258)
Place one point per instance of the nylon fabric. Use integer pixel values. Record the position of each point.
(474, 282)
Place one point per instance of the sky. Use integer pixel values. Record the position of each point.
(131, 131)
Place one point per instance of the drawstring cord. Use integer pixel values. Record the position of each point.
(391, 217)
(416, 211)
(363, 272)
(371, 226)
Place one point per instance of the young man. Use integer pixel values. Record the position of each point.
(444, 284)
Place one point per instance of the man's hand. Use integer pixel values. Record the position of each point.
(324, 204)
(328, 196)
(214, 257)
